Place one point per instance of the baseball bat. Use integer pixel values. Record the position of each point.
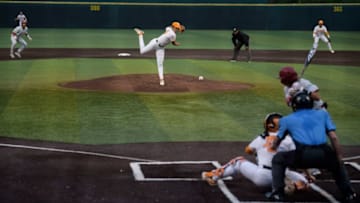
(308, 60)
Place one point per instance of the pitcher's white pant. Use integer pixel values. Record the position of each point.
(14, 41)
(159, 52)
(259, 175)
(324, 39)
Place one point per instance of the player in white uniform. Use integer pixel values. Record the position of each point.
(320, 32)
(158, 44)
(21, 18)
(293, 84)
(17, 37)
(260, 173)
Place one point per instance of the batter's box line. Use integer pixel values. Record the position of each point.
(139, 175)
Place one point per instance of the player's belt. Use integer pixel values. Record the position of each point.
(266, 167)
(157, 41)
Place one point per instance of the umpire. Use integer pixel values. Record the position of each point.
(309, 128)
(239, 39)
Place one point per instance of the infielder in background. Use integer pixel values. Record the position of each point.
(293, 84)
(21, 18)
(158, 44)
(319, 32)
(17, 37)
(260, 173)
(239, 39)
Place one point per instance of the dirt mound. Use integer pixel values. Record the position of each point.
(150, 83)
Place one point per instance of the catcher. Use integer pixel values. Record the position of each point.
(260, 173)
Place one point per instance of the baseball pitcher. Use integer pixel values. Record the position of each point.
(158, 44)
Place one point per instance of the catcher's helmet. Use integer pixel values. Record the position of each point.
(176, 25)
(302, 100)
(271, 122)
(288, 75)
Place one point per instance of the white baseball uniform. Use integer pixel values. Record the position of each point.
(260, 173)
(21, 18)
(300, 85)
(158, 44)
(319, 32)
(17, 37)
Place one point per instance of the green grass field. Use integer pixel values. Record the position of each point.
(32, 106)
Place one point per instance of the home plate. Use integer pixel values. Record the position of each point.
(124, 54)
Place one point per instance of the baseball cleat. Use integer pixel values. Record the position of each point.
(208, 177)
(212, 176)
(162, 82)
(12, 56)
(138, 31)
(18, 54)
(332, 51)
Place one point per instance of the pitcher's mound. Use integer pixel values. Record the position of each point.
(150, 83)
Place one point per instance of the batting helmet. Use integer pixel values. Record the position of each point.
(288, 76)
(302, 100)
(271, 122)
(176, 25)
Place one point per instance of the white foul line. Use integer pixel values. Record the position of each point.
(221, 184)
(323, 193)
(74, 152)
(139, 175)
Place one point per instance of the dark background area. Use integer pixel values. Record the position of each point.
(209, 14)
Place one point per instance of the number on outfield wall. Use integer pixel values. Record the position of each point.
(338, 9)
(95, 8)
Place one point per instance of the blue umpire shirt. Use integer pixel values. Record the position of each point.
(307, 126)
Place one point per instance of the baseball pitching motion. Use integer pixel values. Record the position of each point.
(158, 44)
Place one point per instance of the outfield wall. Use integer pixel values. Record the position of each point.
(194, 16)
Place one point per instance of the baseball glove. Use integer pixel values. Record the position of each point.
(182, 28)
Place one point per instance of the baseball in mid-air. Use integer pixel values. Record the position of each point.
(201, 77)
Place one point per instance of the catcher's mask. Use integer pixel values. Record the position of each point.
(271, 122)
(288, 76)
(302, 100)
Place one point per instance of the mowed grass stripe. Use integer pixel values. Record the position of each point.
(39, 109)
(190, 118)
